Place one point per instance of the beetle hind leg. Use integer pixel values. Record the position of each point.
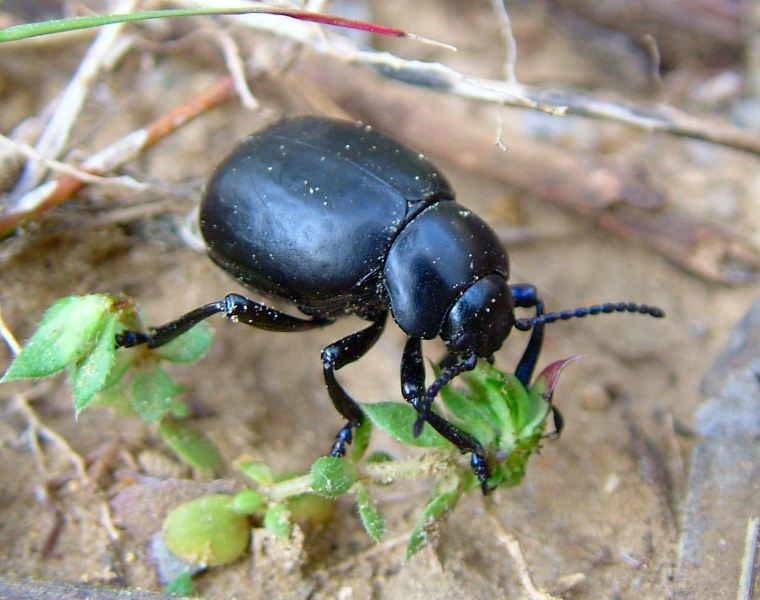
(235, 307)
(336, 356)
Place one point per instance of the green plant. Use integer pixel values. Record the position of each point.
(77, 335)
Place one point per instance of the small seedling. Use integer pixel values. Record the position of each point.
(77, 335)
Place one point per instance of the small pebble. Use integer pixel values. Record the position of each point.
(595, 397)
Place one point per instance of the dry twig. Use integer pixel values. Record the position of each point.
(61, 167)
(127, 148)
(749, 560)
(439, 77)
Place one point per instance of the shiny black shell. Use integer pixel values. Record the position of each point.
(311, 209)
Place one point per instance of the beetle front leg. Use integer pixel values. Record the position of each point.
(414, 392)
(525, 296)
(234, 306)
(336, 356)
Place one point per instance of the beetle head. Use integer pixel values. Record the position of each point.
(480, 319)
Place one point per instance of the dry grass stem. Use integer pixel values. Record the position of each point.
(56, 133)
(127, 148)
(647, 117)
(61, 167)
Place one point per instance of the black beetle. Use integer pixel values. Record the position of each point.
(339, 219)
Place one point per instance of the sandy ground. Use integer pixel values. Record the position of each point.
(602, 501)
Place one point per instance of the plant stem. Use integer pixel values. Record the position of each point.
(432, 463)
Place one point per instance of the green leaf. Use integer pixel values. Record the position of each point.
(123, 359)
(516, 398)
(68, 331)
(277, 521)
(207, 531)
(181, 585)
(379, 456)
(362, 436)
(372, 520)
(247, 502)
(398, 419)
(117, 397)
(257, 470)
(311, 508)
(152, 394)
(438, 506)
(188, 347)
(485, 384)
(91, 374)
(192, 446)
(331, 476)
(473, 416)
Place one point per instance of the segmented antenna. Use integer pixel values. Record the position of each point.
(596, 309)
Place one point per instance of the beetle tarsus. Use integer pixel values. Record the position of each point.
(344, 437)
(130, 339)
(480, 466)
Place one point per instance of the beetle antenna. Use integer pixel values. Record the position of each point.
(596, 309)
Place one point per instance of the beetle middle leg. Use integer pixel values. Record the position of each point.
(413, 390)
(336, 356)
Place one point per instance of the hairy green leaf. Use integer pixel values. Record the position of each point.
(68, 331)
(192, 446)
(398, 419)
(371, 519)
(189, 346)
(277, 521)
(331, 476)
(258, 471)
(362, 436)
(436, 508)
(152, 394)
(91, 374)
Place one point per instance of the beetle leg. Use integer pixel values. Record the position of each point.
(525, 295)
(413, 390)
(336, 356)
(559, 423)
(234, 306)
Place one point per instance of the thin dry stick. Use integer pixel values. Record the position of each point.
(515, 552)
(236, 67)
(513, 547)
(55, 192)
(510, 61)
(56, 132)
(8, 337)
(647, 117)
(61, 167)
(749, 560)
